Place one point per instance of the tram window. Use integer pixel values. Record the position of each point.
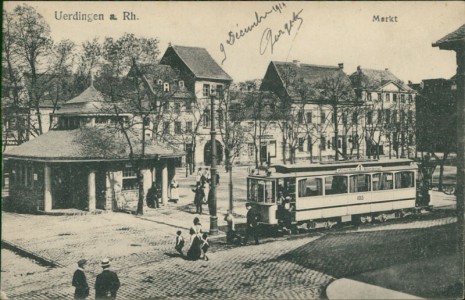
(265, 191)
(335, 185)
(404, 180)
(382, 181)
(253, 190)
(310, 187)
(360, 183)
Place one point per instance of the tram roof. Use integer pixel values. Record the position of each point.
(325, 168)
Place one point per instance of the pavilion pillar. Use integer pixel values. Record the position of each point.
(91, 190)
(154, 174)
(164, 184)
(47, 188)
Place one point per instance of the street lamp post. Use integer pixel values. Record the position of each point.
(212, 201)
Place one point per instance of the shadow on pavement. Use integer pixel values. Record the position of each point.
(351, 254)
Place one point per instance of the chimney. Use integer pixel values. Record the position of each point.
(386, 69)
(169, 44)
(341, 66)
(91, 78)
(296, 62)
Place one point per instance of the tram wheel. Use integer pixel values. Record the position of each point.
(369, 219)
(362, 220)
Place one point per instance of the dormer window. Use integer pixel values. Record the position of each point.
(166, 87)
(181, 83)
(159, 82)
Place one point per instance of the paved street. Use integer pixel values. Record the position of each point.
(142, 253)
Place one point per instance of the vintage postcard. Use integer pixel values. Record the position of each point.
(240, 150)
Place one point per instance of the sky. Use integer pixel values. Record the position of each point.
(321, 33)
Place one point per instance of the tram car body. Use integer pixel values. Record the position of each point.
(325, 194)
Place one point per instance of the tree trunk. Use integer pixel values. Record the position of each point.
(140, 183)
(231, 188)
(284, 150)
(336, 133)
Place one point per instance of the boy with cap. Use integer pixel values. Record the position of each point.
(80, 281)
(107, 282)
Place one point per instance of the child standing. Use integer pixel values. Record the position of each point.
(179, 242)
(204, 245)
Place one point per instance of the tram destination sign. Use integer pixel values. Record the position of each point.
(359, 168)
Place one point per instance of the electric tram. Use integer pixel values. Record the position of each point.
(328, 193)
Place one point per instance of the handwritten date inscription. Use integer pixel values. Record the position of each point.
(269, 38)
(235, 35)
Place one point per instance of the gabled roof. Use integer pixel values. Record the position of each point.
(198, 61)
(373, 79)
(155, 72)
(452, 40)
(291, 74)
(59, 145)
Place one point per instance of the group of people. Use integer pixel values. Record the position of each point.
(154, 194)
(198, 242)
(202, 191)
(285, 213)
(106, 283)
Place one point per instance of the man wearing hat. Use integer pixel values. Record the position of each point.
(80, 282)
(107, 282)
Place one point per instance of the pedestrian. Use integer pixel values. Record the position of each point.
(80, 281)
(206, 190)
(199, 176)
(198, 199)
(252, 224)
(217, 179)
(207, 174)
(107, 282)
(152, 195)
(179, 242)
(195, 231)
(287, 215)
(204, 245)
(231, 234)
(174, 191)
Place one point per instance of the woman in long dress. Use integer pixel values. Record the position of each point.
(174, 191)
(194, 251)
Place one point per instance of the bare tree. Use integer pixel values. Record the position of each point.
(232, 134)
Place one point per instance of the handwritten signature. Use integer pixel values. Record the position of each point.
(269, 39)
(234, 36)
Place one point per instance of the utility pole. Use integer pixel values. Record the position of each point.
(213, 216)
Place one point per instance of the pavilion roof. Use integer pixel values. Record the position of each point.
(87, 144)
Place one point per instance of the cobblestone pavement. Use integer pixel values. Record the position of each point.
(290, 267)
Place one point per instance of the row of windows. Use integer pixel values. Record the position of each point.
(381, 114)
(177, 127)
(23, 174)
(166, 85)
(208, 89)
(387, 97)
(331, 185)
(385, 116)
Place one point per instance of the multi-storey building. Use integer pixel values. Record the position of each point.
(309, 97)
(186, 113)
(389, 112)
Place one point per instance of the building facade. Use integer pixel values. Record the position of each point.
(390, 114)
(186, 114)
